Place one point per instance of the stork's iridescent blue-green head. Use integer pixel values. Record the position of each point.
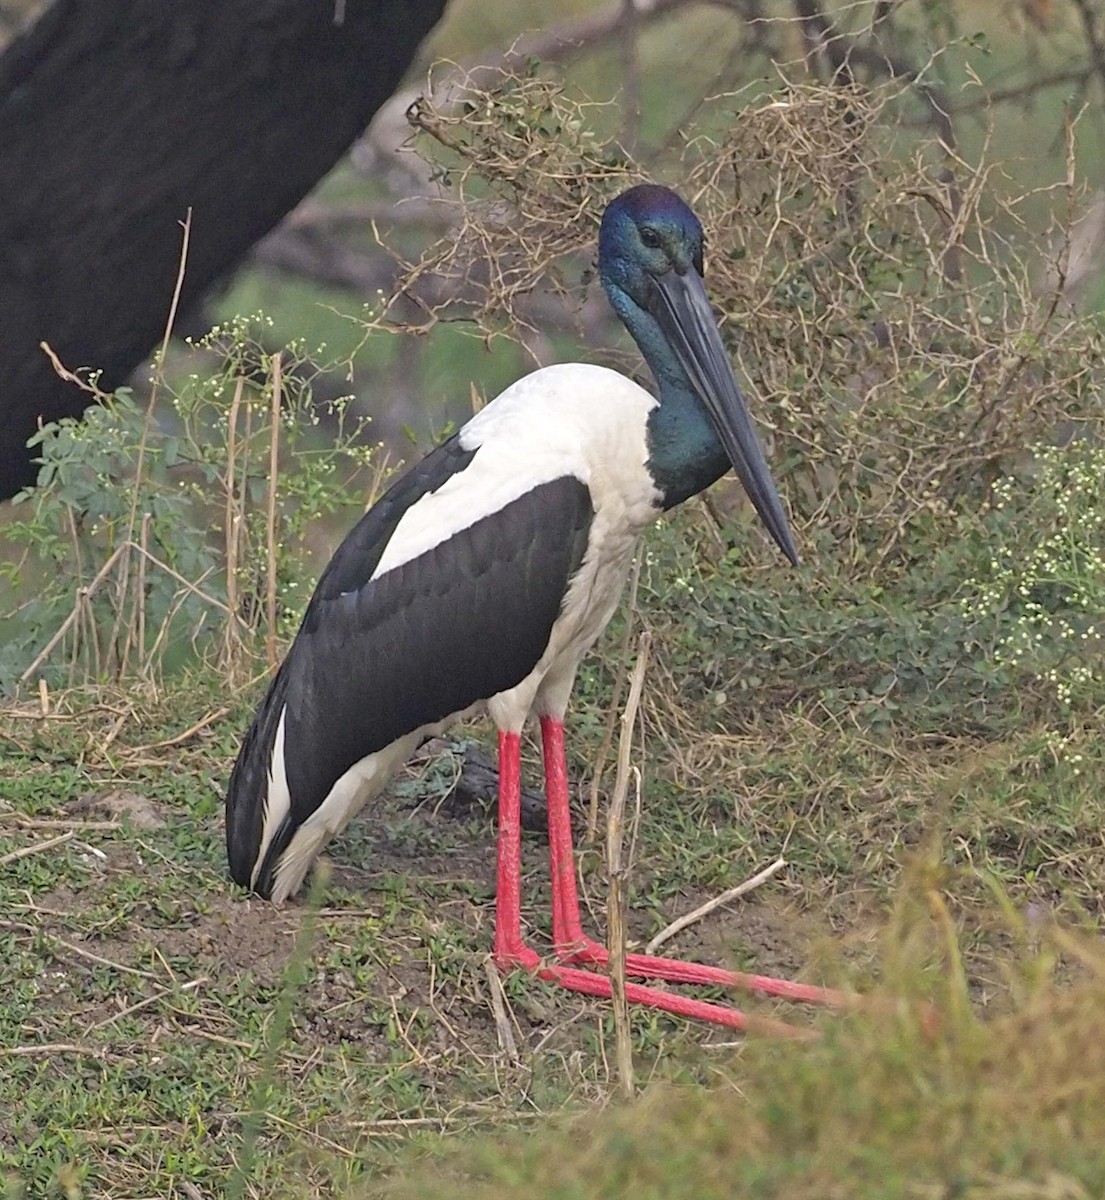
(651, 266)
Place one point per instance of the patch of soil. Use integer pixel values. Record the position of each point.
(236, 936)
(766, 933)
(117, 804)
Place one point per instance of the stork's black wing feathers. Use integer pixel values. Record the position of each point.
(467, 619)
(377, 659)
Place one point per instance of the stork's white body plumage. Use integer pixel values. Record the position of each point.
(570, 419)
(573, 419)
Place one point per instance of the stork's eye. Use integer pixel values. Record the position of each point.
(650, 238)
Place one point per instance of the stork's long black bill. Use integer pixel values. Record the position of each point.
(683, 311)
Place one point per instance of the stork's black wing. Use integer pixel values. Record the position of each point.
(377, 659)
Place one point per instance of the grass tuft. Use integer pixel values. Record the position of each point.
(914, 1096)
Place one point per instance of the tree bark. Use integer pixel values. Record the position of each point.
(116, 120)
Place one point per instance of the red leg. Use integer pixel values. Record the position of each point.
(508, 896)
(574, 946)
(511, 950)
(567, 929)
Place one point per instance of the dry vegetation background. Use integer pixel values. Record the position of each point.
(904, 249)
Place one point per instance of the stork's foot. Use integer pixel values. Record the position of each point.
(590, 983)
(584, 951)
(511, 951)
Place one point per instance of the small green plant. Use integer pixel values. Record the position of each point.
(158, 533)
(1044, 586)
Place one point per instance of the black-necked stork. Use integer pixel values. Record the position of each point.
(482, 577)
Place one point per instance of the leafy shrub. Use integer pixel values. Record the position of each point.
(150, 536)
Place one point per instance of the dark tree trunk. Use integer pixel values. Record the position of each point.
(115, 120)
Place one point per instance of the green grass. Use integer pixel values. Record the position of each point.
(142, 994)
(162, 1033)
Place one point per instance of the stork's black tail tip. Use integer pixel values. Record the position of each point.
(244, 820)
(246, 795)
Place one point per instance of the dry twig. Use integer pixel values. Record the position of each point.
(704, 910)
(25, 822)
(270, 518)
(51, 1048)
(503, 1029)
(599, 761)
(36, 848)
(618, 869)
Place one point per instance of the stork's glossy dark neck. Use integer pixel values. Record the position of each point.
(685, 454)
